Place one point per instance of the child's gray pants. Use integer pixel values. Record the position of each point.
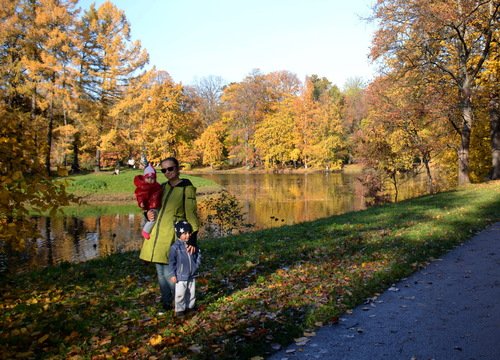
(184, 295)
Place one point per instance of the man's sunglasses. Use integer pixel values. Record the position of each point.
(169, 169)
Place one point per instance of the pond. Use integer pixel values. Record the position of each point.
(266, 200)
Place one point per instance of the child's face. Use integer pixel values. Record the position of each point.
(185, 236)
(149, 179)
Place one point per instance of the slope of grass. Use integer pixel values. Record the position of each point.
(256, 290)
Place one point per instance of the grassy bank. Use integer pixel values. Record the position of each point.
(257, 291)
(105, 187)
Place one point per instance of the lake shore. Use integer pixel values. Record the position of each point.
(350, 169)
(118, 196)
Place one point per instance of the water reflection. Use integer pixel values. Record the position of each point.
(75, 239)
(268, 200)
(274, 200)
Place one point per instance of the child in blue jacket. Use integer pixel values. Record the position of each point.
(182, 269)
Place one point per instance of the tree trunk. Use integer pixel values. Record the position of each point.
(495, 135)
(468, 117)
(97, 166)
(49, 143)
(75, 165)
(49, 135)
(394, 179)
(430, 185)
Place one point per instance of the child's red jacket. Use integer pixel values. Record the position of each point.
(148, 195)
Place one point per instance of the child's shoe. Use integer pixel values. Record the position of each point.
(180, 314)
(191, 310)
(145, 235)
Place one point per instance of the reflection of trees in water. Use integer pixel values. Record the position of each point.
(76, 239)
(265, 200)
(270, 200)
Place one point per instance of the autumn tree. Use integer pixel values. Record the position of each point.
(25, 186)
(451, 38)
(212, 144)
(319, 133)
(108, 61)
(489, 84)
(248, 102)
(330, 147)
(37, 64)
(208, 91)
(354, 110)
(406, 126)
(154, 115)
(275, 137)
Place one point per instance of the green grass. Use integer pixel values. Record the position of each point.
(255, 290)
(106, 187)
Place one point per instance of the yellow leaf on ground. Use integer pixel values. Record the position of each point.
(24, 355)
(43, 338)
(105, 341)
(155, 340)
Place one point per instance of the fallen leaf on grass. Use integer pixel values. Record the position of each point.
(24, 355)
(155, 340)
(195, 348)
(122, 329)
(71, 336)
(43, 338)
(105, 341)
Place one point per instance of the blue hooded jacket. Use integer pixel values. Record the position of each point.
(181, 264)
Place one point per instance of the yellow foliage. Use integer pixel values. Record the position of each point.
(25, 186)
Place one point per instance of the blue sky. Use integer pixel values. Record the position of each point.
(192, 39)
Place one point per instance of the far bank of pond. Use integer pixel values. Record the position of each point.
(266, 200)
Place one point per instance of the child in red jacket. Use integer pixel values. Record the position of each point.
(148, 194)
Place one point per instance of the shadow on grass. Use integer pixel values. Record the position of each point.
(255, 290)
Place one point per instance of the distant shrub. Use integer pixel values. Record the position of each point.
(222, 215)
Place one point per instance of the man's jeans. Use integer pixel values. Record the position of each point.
(167, 287)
